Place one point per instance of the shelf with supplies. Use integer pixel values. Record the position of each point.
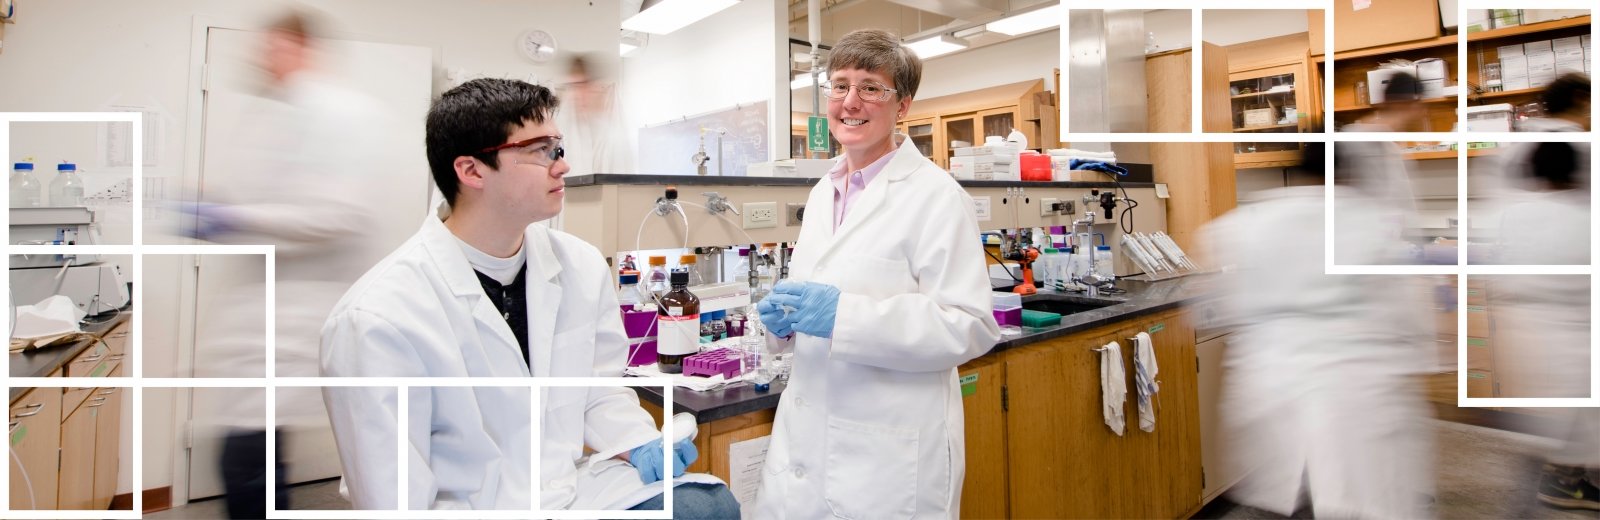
(1362, 108)
(1381, 50)
(969, 116)
(1555, 46)
(1504, 94)
(1351, 78)
(1529, 28)
(1447, 154)
(1265, 128)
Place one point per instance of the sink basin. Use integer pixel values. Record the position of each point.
(1065, 305)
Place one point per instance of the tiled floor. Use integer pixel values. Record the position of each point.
(322, 495)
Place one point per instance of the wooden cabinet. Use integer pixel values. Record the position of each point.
(1351, 101)
(1066, 463)
(969, 116)
(984, 492)
(76, 489)
(35, 435)
(108, 425)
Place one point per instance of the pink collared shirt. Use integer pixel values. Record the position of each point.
(846, 188)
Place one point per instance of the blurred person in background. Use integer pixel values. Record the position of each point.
(300, 171)
(1542, 322)
(1387, 205)
(592, 128)
(1566, 106)
(1319, 399)
(1401, 110)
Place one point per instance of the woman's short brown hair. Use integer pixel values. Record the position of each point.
(876, 50)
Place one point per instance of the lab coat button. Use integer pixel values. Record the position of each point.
(799, 473)
(801, 401)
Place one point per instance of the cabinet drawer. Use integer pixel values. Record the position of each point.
(86, 363)
(74, 396)
(118, 338)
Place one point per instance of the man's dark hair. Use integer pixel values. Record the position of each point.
(1401, 87)
(1555, 164)
(480, 114)
(1565, 92)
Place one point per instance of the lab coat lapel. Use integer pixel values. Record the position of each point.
(544, 298)
(906, 160)
(463, 282)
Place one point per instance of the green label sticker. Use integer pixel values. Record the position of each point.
(817, 133)
(1475, 375)
(1474, 292)
(1475, 308)
(969, 385)
(1157, 327)
(16, 436)
(100, 370)
(1477, 342)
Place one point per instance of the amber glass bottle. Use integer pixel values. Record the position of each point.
(678, 324)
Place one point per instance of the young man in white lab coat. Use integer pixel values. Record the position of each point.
(483, 292)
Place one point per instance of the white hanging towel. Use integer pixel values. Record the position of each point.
(1113, 386)
(1144, 380)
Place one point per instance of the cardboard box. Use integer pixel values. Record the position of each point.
(1514, 71)
(1480, 356)
(1541, 63)
(1569, 55)
(1480, 383)
(1478, 321)
(1358, 25)
(1258, 117)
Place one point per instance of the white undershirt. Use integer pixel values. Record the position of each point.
(503, 270)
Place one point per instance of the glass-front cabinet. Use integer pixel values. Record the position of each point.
(1278, 98)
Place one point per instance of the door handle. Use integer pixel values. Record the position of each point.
(37, 407)
(92, 359)
(108, 391)
(97, 402)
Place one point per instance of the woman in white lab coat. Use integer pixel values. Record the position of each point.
(889, 295)
(1318, 394)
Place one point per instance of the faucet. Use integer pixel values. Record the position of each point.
(1091, 279)
(716, 203)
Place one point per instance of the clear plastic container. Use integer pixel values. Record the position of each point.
(628, 291)
(67, 188)
(25, 187)
(1102, 261)
(689, 262)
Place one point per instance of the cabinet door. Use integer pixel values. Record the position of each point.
(35, 439)
(920, 131)
(77, 456)
(1000, 122)
(1059, 448)
(984, 492)
(963, 128)
(107, 443)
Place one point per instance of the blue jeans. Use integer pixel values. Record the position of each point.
(695, 502)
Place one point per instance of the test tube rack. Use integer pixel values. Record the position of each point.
(724, 361)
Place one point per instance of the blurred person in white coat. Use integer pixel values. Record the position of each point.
(299, 181)
(889, 295)
(1543, 322)
(1318, 398)
(483, 292)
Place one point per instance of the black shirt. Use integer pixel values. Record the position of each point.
(512, 302)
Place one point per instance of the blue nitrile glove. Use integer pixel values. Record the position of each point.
(778, 322)
(814, 304)
(647, 459)
(210, 220)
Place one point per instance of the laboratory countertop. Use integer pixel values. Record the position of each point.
(712, 180)
(41, 362)
(1140, 299)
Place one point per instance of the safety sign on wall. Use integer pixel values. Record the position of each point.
(817, 134)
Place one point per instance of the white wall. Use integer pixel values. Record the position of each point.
(82, 55)
(1173, 28)
(1230, 26)
(737, 56)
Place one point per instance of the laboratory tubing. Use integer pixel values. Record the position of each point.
(67, 188)
(25, 188)
(678, 321)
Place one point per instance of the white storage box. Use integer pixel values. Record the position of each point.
(1378, 81)
(1513, 68)
(1541, 63)
(1490, 118)
(1569, 55)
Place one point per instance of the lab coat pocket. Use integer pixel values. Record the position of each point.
(871, 470)
(877, 277)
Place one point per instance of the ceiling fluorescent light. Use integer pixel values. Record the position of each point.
(936, 46)
(667, 16)
(1027, 22)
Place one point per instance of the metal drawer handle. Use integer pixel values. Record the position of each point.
(95, 405)
(117, 357)
(38, 407)
(81, 388)
(91, 359)
(122, 334)
(15, 425)
(108, 391)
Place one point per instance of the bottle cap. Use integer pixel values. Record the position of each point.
(680, 278)
(686, 259)
(1050, 250)
(1103, 248)
(66, 166)
(629, 279)
(658, 260)
(24, 166)
(744, 251)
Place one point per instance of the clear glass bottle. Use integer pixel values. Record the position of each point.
(25, 187)
(678, 325)
(67, 188)
(690, 263)
(766, 269)
(658, 281)
(628, 291)
(753, 345)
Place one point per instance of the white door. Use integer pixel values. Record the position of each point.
(399, 79)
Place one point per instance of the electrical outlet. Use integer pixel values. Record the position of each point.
(1067, 208)
(759, 215)
(794, 213)
(1047, 207)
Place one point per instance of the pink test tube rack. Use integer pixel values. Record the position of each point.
(712, 362)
